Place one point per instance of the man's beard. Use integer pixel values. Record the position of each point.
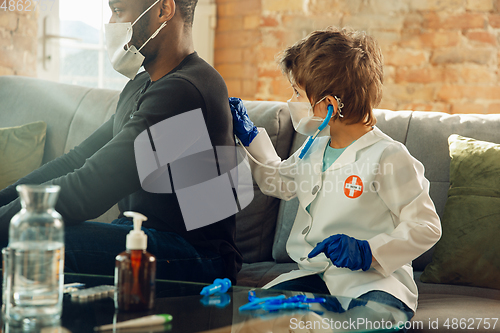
(140, 33)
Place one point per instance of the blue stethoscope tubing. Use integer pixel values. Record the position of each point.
(306, 147)
(320, 128)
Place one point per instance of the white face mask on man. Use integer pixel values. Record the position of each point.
(126, 60)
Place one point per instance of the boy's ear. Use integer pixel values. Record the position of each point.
(331, 100)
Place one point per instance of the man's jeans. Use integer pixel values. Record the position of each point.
(91, 248)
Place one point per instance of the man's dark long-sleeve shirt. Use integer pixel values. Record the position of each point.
(102, 171)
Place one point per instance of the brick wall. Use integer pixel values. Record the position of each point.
(18, 42)
(440, 55)
(237, 41)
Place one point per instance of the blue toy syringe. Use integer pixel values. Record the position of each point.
(219, 286)
(320, 128)
(280, 302)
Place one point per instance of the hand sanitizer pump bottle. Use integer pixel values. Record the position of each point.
(135, 271)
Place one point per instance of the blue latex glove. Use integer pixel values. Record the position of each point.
(243, 127)
(345, 251)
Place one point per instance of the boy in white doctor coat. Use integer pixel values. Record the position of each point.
(365, 211)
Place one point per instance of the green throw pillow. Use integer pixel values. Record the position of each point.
(468, 252)
(21, 151)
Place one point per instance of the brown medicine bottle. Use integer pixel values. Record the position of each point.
(135, 271)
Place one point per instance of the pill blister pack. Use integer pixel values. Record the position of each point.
(94, 293)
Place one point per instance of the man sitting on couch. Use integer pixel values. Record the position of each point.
(102, 171)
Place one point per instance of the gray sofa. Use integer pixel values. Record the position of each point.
(73, 112)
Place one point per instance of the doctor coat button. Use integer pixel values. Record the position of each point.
(303, 258)
(306, 229)
(315, 189)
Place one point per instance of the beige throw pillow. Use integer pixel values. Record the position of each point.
(21, 151)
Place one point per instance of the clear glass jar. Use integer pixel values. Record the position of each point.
(36, 242)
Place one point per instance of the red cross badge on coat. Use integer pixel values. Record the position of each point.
(353, 187)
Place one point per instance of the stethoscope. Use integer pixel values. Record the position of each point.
(306, 148)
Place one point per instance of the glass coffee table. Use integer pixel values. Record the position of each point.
(192, 312)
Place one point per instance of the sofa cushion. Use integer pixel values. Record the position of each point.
(51, 102)
(467, 253)
(21, 151)
(286, 214)
(97, 106)
(453, 289)
(427, 141)
(255, 236)
(286, 218)
(455, 313)
(70, 112)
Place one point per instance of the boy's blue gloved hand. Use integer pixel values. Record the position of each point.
(243, 127)
(345, 251)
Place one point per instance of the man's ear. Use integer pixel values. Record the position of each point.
(167, 10)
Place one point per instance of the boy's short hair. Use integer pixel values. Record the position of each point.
(338, 62)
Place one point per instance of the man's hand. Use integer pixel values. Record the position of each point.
(345, 251)
(243, 127)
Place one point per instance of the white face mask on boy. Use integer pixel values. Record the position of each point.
(126, 60)
(303, 118)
